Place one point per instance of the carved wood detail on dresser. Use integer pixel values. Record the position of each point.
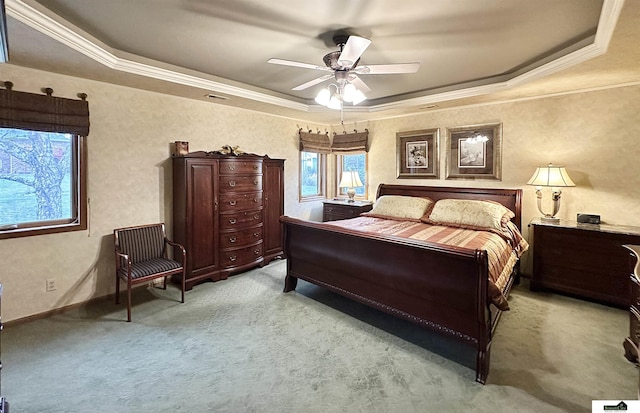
(226, 211)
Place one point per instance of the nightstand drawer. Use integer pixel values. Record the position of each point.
(335, 210)
(612, 288)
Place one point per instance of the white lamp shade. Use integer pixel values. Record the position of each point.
(323, 97)
(551, 175)
(350, 179)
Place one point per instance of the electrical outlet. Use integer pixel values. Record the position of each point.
(51, 284)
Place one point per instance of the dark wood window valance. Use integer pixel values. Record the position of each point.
(315, 142)
(22, 110)
(350, 142)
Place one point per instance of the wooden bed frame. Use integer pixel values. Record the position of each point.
(439, 287)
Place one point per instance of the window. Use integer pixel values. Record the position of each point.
(42, 163)
(352, 162)
(40, 180)
(312, 175)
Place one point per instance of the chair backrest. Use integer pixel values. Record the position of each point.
(141, 243)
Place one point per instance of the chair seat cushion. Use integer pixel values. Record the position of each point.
(152, 266)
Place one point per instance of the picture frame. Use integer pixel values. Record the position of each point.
(417, 154)
(474, 152)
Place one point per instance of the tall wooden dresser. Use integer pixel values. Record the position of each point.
(226, 212)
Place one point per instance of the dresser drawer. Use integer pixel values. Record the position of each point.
(240, 202)
(581, 249)
(242, 183)
(235, 167)
(241, 256)
(611, 287)
(240, 220)
(241, 238)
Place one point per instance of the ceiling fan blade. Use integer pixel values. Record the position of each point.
(357, 82)
(352, 50)
(387, 69)
(312, 82)
(296, 64)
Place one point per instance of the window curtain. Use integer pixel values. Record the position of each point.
(314, 142)
(45, 113)
(350, 142)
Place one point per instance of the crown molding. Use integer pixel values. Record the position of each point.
(41, 19)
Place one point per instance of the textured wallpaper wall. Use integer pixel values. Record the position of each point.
(595, 135)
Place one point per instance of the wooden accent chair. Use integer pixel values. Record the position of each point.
(141, 256)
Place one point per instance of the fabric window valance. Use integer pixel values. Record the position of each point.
(315, 142)
(350, 142)
(45, 113)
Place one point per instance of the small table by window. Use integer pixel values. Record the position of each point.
(335, 210)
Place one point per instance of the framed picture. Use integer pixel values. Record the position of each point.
(417, 154)
(474, 152)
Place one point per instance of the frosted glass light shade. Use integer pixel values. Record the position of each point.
(323, 97)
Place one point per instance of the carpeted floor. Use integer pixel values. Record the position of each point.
(241, 345)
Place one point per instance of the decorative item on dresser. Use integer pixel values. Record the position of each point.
(584, 260)
(338, 209)
(632, 343)
(226, 210)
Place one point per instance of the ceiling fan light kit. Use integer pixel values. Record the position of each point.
(348, 87)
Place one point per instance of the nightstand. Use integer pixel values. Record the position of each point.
(583, 260)
(335, 210)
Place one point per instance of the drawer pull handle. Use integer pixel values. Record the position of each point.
(232, 167)
(256, 234)
(256, 251)
(232, 203)
(232, 239)
(232, 221)
(255, 200)
(255, 182)
(232, 258)
(232, 183)
(255, 167)
(256, 217)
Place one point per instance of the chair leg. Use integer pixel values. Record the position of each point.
(164, 285)
(117, 288)
(184, 276)
(129, 300)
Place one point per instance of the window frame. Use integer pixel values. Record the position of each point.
(322, 177)
(342, 193)
(79, 208)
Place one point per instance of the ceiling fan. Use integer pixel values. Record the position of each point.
(344, 65)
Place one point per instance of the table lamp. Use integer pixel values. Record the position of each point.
(351, 180)
(554, 177)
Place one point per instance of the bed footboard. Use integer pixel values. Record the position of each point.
(441, 288)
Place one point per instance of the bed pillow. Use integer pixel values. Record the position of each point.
(472, 214)
(407, 208)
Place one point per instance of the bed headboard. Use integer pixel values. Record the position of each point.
(510, 198)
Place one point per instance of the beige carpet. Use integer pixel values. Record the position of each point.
(241, 345)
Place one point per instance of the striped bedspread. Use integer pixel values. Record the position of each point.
(503, 250)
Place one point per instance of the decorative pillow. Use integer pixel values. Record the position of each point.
(407, 208)
(473, 214)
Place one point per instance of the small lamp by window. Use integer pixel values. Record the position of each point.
(351, 180)
(554, 177)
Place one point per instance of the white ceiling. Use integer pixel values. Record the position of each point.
(469, 50)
